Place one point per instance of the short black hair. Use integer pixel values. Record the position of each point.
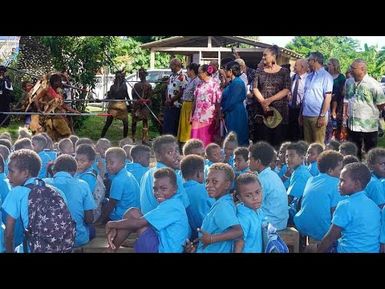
(229, 173)
(210, 147)
(84, 140)
(349, 148)
(87, 150)
(116, 152)
(374, 154)
(194, 67)
(234, 67)
(192, 164)
(243, 152)
(335, 145)
(359, 172)
(298, 148)
(137, 150)
(4, 152)
(245, 179)
(65, 163)
(262, 151)
(125, 141)
(25, 159)
(1, 164)
(64, 142)
(192, 144)
(166, 173)
(6, 142)
(40, 140)
(329, 160)
(318, 147)
(231, 137)
(349, 159)
(23, 143)
(161, 141)
(73, 138)
(304, 144)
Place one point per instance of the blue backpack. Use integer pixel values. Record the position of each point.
(274, 243)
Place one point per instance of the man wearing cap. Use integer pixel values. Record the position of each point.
(316, 100)
(6, 96)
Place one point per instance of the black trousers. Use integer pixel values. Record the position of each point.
(274, 136)
(369, 139)
(294, 131)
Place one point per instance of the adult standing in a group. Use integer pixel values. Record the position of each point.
(316, 101)
(232, 103)
(363, 99)
(175, 87)
(6, 96)
(205, 115)
(270, 88)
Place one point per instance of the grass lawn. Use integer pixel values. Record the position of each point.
(92, 127)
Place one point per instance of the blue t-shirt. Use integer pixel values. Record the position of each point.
(200, 204)
(137, 170)
(320, 195)
(222, 216)
(124, 189)
(313, 168)
(148, 201)
(382, 235)
(89, 176)
(238, 173)
(281, 173)
(170, 222)
(360, 220)
(298, 181)
(2, 244)
(375, 191)
(45, 159)
(251, 223)
(79, 198)
(208, 163)
(274, 199)
(51, 154)
(5, 186)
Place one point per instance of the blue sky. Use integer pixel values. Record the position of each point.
(283, 40)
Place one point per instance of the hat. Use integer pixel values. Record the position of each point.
(3, 68)
(274, 120)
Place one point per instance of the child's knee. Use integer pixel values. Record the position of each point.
(132, 212)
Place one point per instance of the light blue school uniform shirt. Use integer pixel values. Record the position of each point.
(208, 163)
(137, 170)
(274, 199)
(95, 165)
(169, 219)
(124, 189)
(320, 195)
(16, 203)
(200, 204)
(45, 159)
(298, 181)
(5, 186)
(2, 244)
(51, 154)
(382, 235)
(231, 160)
(222, 216)
(281, 173)
(251, 223)
(238, 173)
(148, 201)
(360, 220)
(6, 166)
(375, 190)
(79, 198)
(89, 177)
(313, 168)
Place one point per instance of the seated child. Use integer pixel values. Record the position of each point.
(127, 148)
(140, 161)
(6, 142)
(172, 231)
(229, 145)
(349, 159)
(249, 192)
(375, 189)
(125, 141)
(241, 161)
(5, 187)
(382, 235)
(274, 199)
(124, 192)
(79, 197)
(320, 197)
(85, 157)
(65, 146)
(49, 147)
(24, 143)
(312, 154)
(100, 163)
(333, 145)
(74, 139)
(23, 132)
(38, 143)
(213, 155)
(4, 152)
(348, 148)
(284, 172)
(194, 147)
(192, 167)
(357, 219)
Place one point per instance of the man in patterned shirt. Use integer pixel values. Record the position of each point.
(364, 99)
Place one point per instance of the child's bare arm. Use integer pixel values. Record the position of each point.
(238, 246)
(88, 217)
(107, 209)
(9, 231)
(331, 236)
(234, 233)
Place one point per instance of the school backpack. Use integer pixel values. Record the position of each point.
(51, 228)
(99, 193)
(274, 243)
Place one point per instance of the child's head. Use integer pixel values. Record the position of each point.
(23, 164)
(6, 143)
(115, 160)
(66, 146)
(354, 178)
(261, 155)
(330, 162)
(194, 147)
(167, 151)
(23, 143)
(214, 153)
(295, 155)
(84, 140)
(6, 135)
(313, 152)
(141, 154)
(241, 160)
(304, 144)
(249, 190)
(192, 167)
(127, 148)
(376, 161)
(23, 132)
(348, 148)
(49, 144)
(165, 185)
(1, 164)
(39, 142)
(74, 139)
(349, 159)
(229, 145)
(85, 156)
(125, 141)
(333, 145)
(4, 152)
(102, 145)
(282, 152)
(219, 180)
(65, 163)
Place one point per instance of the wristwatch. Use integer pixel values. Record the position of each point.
(322, 114)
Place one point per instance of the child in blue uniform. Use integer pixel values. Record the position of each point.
(312, 154)
(140, 161)
(281, 167)
(213, 155)
(38, 143)
(241, 159)
(229, 145)
(194, 147)
(376, 163)
(65, 146)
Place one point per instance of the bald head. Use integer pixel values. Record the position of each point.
(301, 66)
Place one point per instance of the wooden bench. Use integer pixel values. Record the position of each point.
(291, 237)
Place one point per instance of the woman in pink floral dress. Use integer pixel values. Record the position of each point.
(205, 116)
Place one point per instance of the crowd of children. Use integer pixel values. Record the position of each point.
(210, 199)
